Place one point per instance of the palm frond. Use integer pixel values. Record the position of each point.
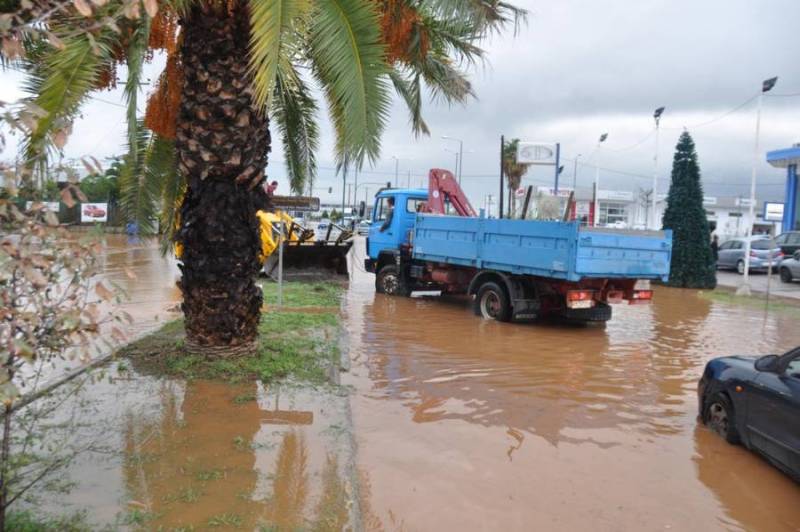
(294, 112)
(173, 187)
(411, 93)
(137, 48)
(272, 28)
(60, 84)
(445, 81)
(349, 61)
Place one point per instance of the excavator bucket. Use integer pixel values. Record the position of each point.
(310, 260)
(304, 257)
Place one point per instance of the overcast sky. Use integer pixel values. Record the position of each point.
(576, 70)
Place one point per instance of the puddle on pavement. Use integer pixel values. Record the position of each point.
(467, 424)
(201, 454)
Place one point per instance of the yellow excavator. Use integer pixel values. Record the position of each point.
(304, 255)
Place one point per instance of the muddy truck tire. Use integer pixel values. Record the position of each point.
(388, 281)
(492, 302)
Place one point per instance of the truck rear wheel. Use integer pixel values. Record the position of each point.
(388, 282)
(491, 302)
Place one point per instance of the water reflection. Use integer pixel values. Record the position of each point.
(754, 495)
(201, 463)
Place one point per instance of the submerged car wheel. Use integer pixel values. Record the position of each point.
(740, 267)
(786, 275)
(719, 418)
(388, 282)
(491, 302)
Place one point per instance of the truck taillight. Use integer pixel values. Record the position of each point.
(640, 296)
(580, 298)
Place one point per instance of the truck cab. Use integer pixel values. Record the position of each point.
(384, 245)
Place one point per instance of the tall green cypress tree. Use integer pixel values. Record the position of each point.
(692, 261)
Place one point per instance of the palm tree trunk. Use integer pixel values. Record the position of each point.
(222, 142)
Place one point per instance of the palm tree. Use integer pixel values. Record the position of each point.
(233, 67)
(513, 172)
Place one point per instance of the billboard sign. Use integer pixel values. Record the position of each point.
(773, 212)
(563, 192)
(295, 203)
(536, 153)
(94, 212)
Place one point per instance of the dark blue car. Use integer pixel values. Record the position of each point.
(755, 401)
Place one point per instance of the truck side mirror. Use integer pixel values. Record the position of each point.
(362, 207)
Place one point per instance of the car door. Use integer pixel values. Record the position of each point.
(792, 244)
(724, 254)
(773, 416)
(380, 240)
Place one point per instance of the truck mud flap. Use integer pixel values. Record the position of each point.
(599, 313)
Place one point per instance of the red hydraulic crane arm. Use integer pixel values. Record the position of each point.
(443, 187)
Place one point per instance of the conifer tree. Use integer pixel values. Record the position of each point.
(692, 260)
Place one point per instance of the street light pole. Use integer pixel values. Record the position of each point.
(657, 117)
(460, 158)
(744, 289)
(396, 168)
(596, 216)
(575, 173)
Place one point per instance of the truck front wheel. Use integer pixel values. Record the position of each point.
(491, 302)
(388, 282)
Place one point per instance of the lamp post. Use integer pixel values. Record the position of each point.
(575, 173)
(657, 118)
(456, 153)
(460, 154)
(396, 168)
(596, 216)
(744, 289)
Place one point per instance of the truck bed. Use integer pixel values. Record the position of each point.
(558, 250)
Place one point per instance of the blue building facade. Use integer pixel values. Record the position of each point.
(789, 158)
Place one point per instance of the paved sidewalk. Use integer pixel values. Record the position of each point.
(758, 284)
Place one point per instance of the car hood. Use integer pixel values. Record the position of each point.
(738, 361)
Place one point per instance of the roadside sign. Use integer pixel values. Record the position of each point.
(773, 212)
(296, 203)
(94, 212)
(537, 153)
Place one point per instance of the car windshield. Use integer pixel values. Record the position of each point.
(763, 244)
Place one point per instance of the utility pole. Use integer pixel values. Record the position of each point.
(657, 117)
(596, 216)
(575, 174)
(396, 168)
(744, 289)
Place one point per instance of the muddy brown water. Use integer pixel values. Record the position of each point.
(467, 424)
(460, 424)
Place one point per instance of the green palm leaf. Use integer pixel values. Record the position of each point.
(273, 26)
(60, 83)
(349, 61)
(294, 112)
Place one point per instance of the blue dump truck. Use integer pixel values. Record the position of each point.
(515, 270)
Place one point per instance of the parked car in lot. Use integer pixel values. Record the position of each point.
(789, 242)
(790, 268)
(363, 227)
(731, 254)
(755, 401)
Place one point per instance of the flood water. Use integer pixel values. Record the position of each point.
(467, 424)
(458, 423)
